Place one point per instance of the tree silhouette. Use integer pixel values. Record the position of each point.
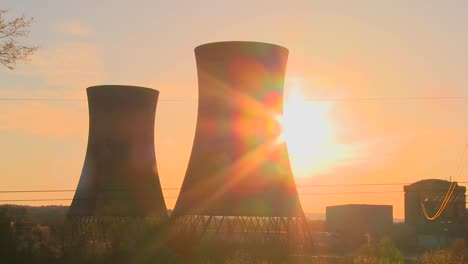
(11, 51)
(7, 246)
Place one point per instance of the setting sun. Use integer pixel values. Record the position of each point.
(309, 135)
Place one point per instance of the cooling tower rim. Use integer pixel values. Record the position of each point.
(239, 43)
(121, 87)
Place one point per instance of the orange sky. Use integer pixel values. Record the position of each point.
(338, 49)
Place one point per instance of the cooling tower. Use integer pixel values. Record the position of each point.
(239, 169)
(119, 177)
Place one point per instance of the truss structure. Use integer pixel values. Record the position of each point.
(99, 234)
(244, 230)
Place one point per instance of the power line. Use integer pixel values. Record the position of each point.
(360, 184)
(463, 162)
(388, 98)
(36, 191)
(353, 184)
(299, 186)
(442, 207)
(51, 199)
(79, 100)
(301, 194)
(174, 197)
(370, 192)
(36, 200)
(307, 99)
(41, 99)
(60, 190)
(449, 193)
(175, 188)
(460, 164)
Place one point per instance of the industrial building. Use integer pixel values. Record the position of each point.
(359, 219)
(429, 195)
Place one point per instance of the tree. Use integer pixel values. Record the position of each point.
(7, 246)
(11, 51)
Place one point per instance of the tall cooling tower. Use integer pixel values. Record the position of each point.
(119, 178)
(239, 171)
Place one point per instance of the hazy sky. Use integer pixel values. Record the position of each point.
(338, 49)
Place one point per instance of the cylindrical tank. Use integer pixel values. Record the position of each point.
(119, 176)
(239, 165)
(430, 194)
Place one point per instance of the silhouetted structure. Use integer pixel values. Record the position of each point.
(360, 219)
(431, 193)
(239, 184)
(119, 180)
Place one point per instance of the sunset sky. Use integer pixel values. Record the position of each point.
(353, 109)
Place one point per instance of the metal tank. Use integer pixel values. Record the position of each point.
(430, 194)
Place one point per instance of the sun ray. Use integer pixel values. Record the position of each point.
(310, 135)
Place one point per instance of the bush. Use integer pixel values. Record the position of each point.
(384, 252)
(456, 254)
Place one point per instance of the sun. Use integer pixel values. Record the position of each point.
(309, 135)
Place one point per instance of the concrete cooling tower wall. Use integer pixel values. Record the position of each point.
(239, 165)
(120, 176)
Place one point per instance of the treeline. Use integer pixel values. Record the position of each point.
(43, 215)
(38, 235)
(22, 241)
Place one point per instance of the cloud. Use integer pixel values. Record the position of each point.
(70, 67)
(75, 28)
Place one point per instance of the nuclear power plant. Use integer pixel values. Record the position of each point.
(239, 182)
(238, 185)
(238, 199)
(119, 180)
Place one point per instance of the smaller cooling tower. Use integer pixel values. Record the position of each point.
(120, 176)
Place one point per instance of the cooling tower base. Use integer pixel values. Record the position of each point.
(100, 236)
(244, 232)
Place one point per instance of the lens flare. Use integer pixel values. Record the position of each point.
(309, 135)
